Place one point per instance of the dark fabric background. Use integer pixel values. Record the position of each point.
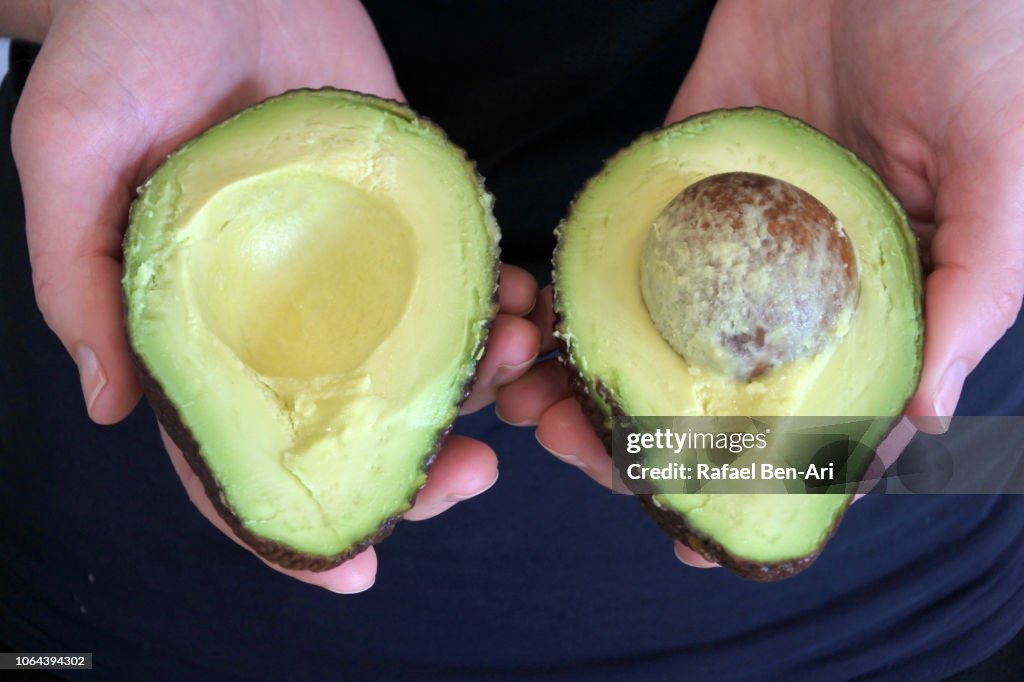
(545, 576)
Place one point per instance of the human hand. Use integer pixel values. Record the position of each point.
(118, 85)
(927, 93)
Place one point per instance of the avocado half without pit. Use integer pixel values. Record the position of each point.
(740, 263)
(309, 287)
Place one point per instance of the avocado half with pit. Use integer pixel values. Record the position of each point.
(309, 286)
(740, 263)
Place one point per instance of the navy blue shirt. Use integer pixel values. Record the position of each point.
(545, 576)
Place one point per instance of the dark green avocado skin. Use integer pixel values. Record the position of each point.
(165, 412)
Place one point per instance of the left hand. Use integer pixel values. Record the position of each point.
(929, 94)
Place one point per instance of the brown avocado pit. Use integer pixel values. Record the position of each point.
(742, 272)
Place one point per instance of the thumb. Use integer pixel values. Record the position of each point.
(973, 295)
(720, 76)
(702, 90)
(76, 201)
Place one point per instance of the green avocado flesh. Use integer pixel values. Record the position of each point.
(625, 366)
(310, 285)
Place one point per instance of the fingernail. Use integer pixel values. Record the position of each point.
(532, 307)
(455, 497)
(702, 561)
(678, 551)
(948, 394)
(506, 373)
(499, 415)
(568, 459)
(91, 374)
(356, 590)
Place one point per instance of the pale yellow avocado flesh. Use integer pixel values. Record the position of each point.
(611, 340)
(310, 283)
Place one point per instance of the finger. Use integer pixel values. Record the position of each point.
(355, 575)
(974, 292)
(886, 454)
(543, 316)
(464, 468)
(75, 208)
(564, 431)
(523, 401)
(701, 92)
(344, 51)
(717, 79)
(692, 557)
(517, 290)
(511, 350)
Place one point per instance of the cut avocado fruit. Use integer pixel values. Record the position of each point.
(644, 335)
(309, 287)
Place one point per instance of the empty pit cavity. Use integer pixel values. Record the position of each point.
(301, 274)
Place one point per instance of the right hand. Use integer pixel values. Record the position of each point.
(117, 86)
